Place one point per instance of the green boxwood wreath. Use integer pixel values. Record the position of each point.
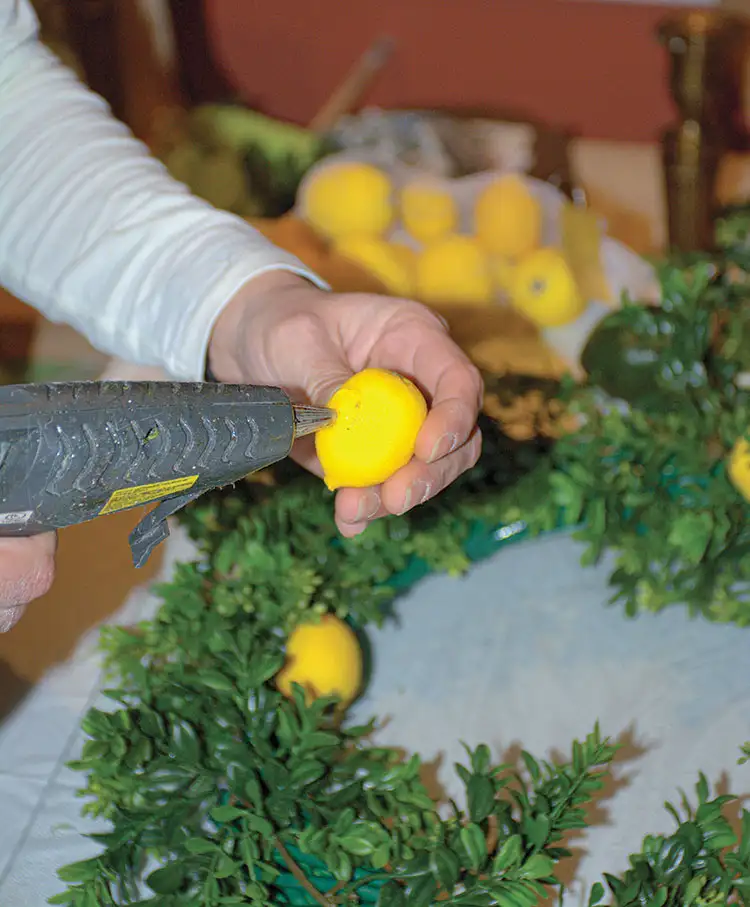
(219, 791)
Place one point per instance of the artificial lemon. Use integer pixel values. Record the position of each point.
(508, 218)
(454, 270)
(428, 212)
(325, 659)
(381, 260)
(406, 255)
(739, 467)
(348, 199)
(545, 291)
(378, 417)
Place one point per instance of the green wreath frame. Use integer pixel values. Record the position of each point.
(219, 791)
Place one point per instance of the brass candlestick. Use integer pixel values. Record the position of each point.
(706, 52)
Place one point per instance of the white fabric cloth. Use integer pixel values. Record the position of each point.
(93, 230)
(509, 655)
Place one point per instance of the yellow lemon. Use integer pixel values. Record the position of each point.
(545, 291)
(508, 218)
(325, 659)
(378, 417)
(428, 212)
(349, 198)
(739, 467)
(381, 260)
(406, 255)
(455, 270)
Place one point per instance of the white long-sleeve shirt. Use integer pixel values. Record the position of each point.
(93, 230)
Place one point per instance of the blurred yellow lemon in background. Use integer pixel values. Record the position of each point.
(381, 259)
(348, 199)
(545, 291)
(454, 269)
(739, 467)
(378, 417)
(508, 218)
(325, 659)
(406, 255)
(428, 211)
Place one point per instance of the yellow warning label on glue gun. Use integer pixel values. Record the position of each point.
(124, 498)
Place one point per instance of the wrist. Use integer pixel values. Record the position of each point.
(226, 355)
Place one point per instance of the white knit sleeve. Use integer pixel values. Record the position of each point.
(93, 230)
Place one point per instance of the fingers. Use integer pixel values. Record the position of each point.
(456, 400)
(421, 347)
(411, 486)
(27, 569)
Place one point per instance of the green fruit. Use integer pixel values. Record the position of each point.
(220, 180)
(184, 162)
(646, 356)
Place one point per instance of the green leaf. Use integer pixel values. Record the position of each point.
(391, 895)
(480, 759)
(659, 899)
(225, 867)
(200, 846)
(342, 867)
(445, 867)
(358, 845)
(218, 682)
(421, 891)
(83, 871)
(537, 830)
(596, 895)
(318, 740)
(481, 797)
(167, 880)
(65, 897)
(532, 766)
(538, 866)
(226, 813)
(509, 856)
(473, 841)
(307, 772)
(184, 742)
(260, 825)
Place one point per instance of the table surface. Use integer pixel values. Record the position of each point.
(509, 655)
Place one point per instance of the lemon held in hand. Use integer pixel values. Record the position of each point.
(325, 659)
(378, 417)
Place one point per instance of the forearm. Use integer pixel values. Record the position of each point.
(94, 232)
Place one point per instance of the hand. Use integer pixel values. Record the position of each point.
(283, 331)
(27, 568)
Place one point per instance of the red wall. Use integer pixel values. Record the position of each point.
(594, 68)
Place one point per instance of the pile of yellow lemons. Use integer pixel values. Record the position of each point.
(498, 254)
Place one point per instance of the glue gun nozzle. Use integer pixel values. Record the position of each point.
(309, 419)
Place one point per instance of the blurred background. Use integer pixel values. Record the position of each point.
(242, 98)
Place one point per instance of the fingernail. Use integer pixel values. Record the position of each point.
(443, 446)
(9, 617)
(417, 493)
(368, 507)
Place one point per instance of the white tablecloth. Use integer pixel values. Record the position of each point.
(520, 651)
